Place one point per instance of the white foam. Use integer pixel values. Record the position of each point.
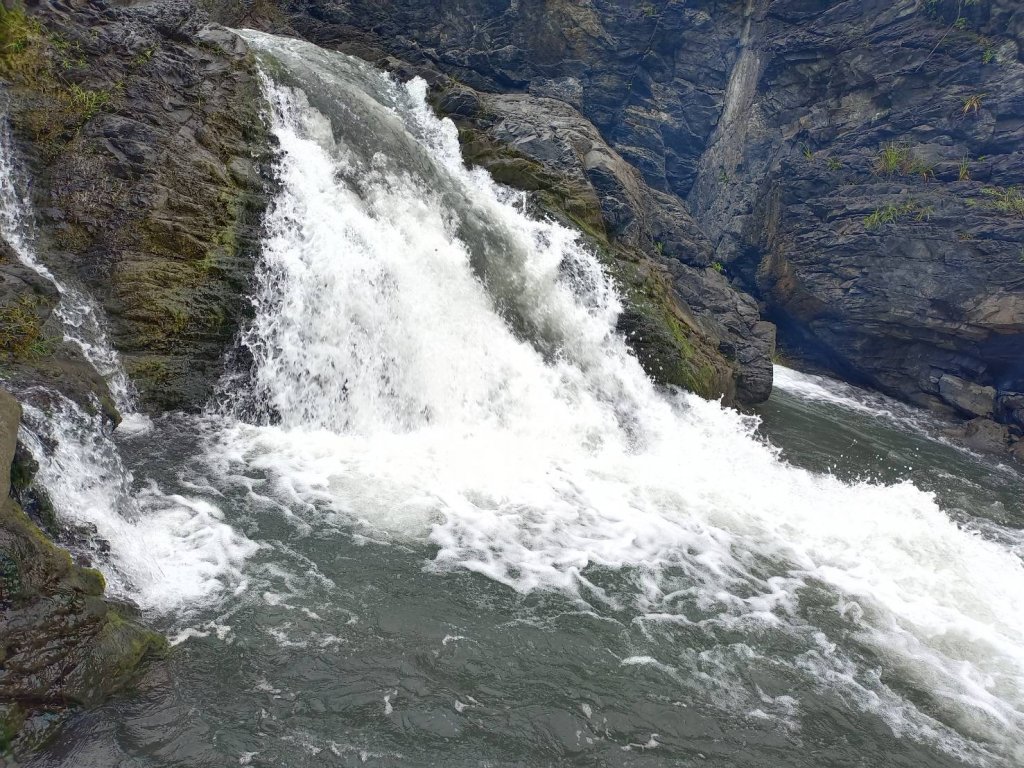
(169, 553)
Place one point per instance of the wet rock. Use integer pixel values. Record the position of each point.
(32, 347)
(984, 435)
(1010, 408)
(61, 644)
(686, 323)
(141, 124)
(971, 399)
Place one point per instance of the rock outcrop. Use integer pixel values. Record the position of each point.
(61, 644)
(141, 125)
(865, 187)
(685, 324)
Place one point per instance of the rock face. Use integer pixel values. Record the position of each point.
(871, 200)
(61, 644)
(142, 130)
(852, 164)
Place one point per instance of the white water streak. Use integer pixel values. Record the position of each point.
(172, 552)
(78, 312)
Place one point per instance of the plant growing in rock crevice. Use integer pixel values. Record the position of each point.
(1005, 200)
(971, 104)
(964, 170)
(21, 335)
(897, 158)
(892, 213)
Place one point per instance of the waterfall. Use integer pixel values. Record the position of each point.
(437, 370)
(434, 361)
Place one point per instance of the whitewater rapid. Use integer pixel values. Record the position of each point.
(432, 363)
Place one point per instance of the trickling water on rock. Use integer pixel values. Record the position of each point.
(450, 520)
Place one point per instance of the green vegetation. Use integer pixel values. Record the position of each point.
(964, 171)
(834, 164)
(87, 102)
(21, 335)
(807, 152)
(988, 51)
(1005, 199)
(33, 59)
(718, 266)
(143, 56)
(899, 159)
(892, 213)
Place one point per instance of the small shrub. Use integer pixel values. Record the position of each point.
(834, 164)
(718, 266)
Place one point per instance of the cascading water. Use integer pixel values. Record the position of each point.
(77, 311)
(484, 535)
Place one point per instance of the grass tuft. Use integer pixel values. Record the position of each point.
(896, 158)
(892, 213)
(1005, 199)
(972, 104)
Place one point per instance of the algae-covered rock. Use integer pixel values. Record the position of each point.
(142, 126)
(33, 352)
(61, 644)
